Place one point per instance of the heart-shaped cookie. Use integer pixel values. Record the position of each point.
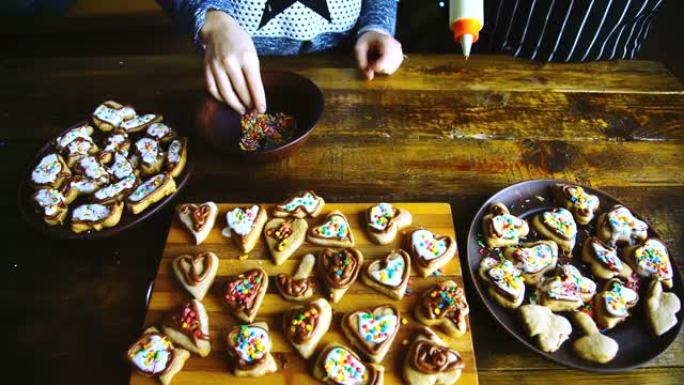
(302, 205)
(189, 328)
(198, 219)
(501, 229)
(533, 259)
(652, 260)
(384, 221)
(593, 346)
(196, 273)
(620, 226)
(250, 346)
(335, 231)
(567, 290)
(244, 293)
(603, 259)
(299, 287)
(444, 305)
(389, 275)
(505, 281)
(284, 236)
(557, 225)
(339, 269)
(550, 330)
(430, 361)
(372, 330)
(574, 198)
(153, 355)
(430, 252)
(304, 326)
(661, 308)
(339, 365)
(245, 225)
(613, 303)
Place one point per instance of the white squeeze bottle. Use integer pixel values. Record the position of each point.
(466, 18)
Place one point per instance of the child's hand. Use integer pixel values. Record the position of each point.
(231, 64)
(378, 53)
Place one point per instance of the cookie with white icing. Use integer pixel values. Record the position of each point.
(501, 228)
(117, 142)
(149, 192)
(110, 114)
(196, 273)
(384, 221)
(430, 361)
(567, 290)
(82, 131)
(304, 326)
(372, 330)
(199, 219)
(533, 259)
(116, 191)
(620, 227)
(139, 122)
(244, 293)
(334, 231)
(339, 268)
(430, 251)
(305, 204)
(389, 275)
(574, 198)
(160, 132)
(50, 172)
(79, 185)
(245, 225)
(95, 216)
(51, 204)
(651, 259)
(91, 168)
(661, 308)
(150, 154)
(298, 287)
(548, 329)
(153, 355)
(557, 225)
(593, 346)
(176, 156)
(444, 305)
(336, 364)
(603, 259)
(284, 236)
(505, 282)
(79, 148)
(123, 167)
(250, 348)
(612, 305)
(188, 327)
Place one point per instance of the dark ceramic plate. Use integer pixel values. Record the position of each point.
(286, 92)
(637, 343)
(63, 231)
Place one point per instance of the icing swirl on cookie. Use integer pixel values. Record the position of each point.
(292, 287)
(281, 234)
(339, 267)
(561, 222)
(444, 301)
(199, 215)
(380, 216)
(241, 292)
(653, 260)
(241, 221)
(48, 169)
(192, 275)
(152, 354)
(430, 358)
(250, 344)
(301, 323)
(619, 298)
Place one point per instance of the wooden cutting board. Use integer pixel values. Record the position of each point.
(167, 295)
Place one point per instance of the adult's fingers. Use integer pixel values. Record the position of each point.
(225, 89)
(256, 86)
(237, 79)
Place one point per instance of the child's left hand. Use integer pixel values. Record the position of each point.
(378, 53)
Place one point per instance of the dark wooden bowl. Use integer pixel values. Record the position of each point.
(287, 92)
(637, 343)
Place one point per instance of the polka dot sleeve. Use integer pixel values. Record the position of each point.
(378, 15)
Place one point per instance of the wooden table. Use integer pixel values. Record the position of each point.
(439, 130)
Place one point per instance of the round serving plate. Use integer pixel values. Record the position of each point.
(638, 344)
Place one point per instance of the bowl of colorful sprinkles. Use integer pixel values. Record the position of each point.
(295, 105)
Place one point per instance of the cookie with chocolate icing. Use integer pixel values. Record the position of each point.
(305, 204)
(188, 327)
(150, 192)
(79, 185)
(160, 132)
(336, 364)
(245, 225)
(620, 227)
(196, 273)
(250, 347)
(444, 305)
(574, 198)
(372, 330)
(284, 236)
(593, 346)
(430, 251)
(430, 361)
(548, 329)
(384, 221)
(389, 275)
(567, 290)
(304, 326)
(612, 305)
(661, 308)
(650, 259)
(244, 293)
(557, 225)
(504, 280)
(533, 259)
(501, 228)
(299, 287)
(95, 216)
(50, 172)
(339, 269)
(176, 157)
(603, 259)
(139, 122)
(110, 114)
(199, 219)
(334, 231)
(150, 154)
(153, 355)
(51, 204)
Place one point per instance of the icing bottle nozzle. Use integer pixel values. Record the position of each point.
(467, 18)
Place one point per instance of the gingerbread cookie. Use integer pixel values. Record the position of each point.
(612, 305)
(299, 287)
(430, 361)
(160, 132)
(372, 330)
(196, 273)
(430, 252)
(533, 259)
(83, 132)
(338, 365)
(567, 290)
(79, 185)
(304, 326)
(244, 293)
(302, 205)
(389, 275)
(651, 259)
(334, 232)
(151, 191)
(51, 172)
(122, 167)
(284, 236)
(188, 327)
(91, 168)
(550, 330)
(250, 347)
(177, 156)
(603, 259)
(661, 308)
(151, 155)
(118, 142)
(501, 229)
(339, 269)
(245, 225)
(116, 192)
(52, 205)
(139, 122)
(384, 221)
(557, 225)
(620, 227)
(110, 114)
(594, 346)
(444, 305)
(199, 219)
(504, 280)
(79, 148)
(574, 198)
(153, 355)
(95, 216)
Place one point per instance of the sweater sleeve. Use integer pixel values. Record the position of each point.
(189, 14)
(378, 15)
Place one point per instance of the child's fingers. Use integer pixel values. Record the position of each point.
(390, 58)
(237, 79)
(256, 86)
(361, 54)
(225, 89)
(211, 83)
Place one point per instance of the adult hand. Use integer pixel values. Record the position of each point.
(231, 64)
(378, 53)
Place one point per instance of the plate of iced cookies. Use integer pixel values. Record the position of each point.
(575, 275)
(104, 174)
(307, 291)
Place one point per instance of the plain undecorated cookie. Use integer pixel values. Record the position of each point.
(661, 309)
(593, 346)
(548, 329)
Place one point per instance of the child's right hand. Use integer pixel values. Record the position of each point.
(231, 64)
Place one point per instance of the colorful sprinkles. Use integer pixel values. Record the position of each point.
(266, 131)
(251, 343)
(376, 328)
(344, 368)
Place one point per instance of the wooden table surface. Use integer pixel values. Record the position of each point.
(438, 130)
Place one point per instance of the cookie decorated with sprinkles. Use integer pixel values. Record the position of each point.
(444, 305)
(250, 348)
(334, 231)
(389, 275)
(430, 251)
(501, 228)
(338, 365)
(372, 330)
(244, 293)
